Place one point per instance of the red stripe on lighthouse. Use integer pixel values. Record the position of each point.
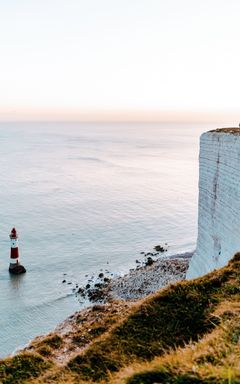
(14, 253)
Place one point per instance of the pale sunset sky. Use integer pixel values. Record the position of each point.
(119, 59)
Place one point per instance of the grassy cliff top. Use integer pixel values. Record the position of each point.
(186, 333)
(233, 130)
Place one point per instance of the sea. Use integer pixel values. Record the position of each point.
(85, 198)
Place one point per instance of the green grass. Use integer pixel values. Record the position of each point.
(21, 367)
(213, 360)
(46, 346)
(52, 342)
(166, 377)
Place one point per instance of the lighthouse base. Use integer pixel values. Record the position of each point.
(17, 269)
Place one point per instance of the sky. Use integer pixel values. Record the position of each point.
(119, 59)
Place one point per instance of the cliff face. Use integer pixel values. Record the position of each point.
(219, 201)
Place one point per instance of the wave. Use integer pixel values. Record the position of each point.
(92, 159)
(109, 163)
(89, 158)
(52, 301)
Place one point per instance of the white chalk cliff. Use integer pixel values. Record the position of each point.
(219, 201)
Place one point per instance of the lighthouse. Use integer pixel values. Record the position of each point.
(15, 267)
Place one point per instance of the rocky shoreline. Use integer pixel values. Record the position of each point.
(148, 279)
(111, 299)
(151, 274)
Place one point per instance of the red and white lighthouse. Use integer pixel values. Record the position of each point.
(15, 267)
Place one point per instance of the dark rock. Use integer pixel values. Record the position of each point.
(98, 285)
(101, 275)
(17, 270)
(64, 281)
(81, 291)
(88, 286)
(96, 295)
(142, 253)
(159, 248)
(106, 280)
(137, 261)
(98, 307)
(149, 261)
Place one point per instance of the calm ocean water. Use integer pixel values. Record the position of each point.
(86, 197)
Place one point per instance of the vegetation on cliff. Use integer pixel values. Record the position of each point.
(186, 333)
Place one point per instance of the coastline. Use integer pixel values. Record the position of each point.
(117, 297)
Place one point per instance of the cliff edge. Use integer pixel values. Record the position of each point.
(219, 201)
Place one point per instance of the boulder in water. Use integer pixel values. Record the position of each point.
(17, 270)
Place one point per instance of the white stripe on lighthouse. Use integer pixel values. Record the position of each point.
(14, 243)
(14, 261)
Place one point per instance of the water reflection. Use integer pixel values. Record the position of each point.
(16, 282)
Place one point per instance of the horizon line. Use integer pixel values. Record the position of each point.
(118, 116)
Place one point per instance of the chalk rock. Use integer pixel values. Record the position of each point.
(219, 201)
